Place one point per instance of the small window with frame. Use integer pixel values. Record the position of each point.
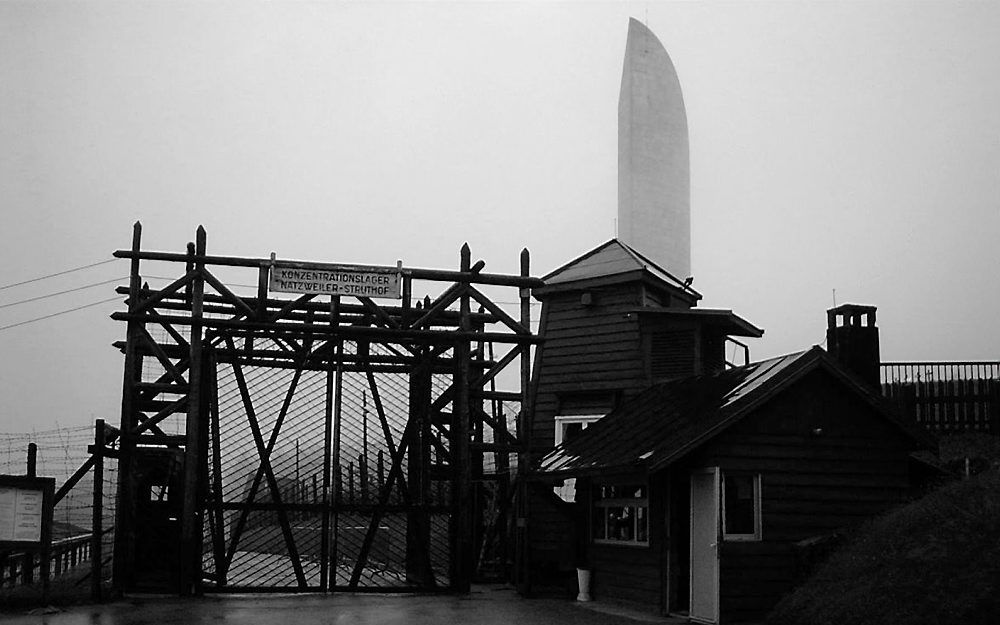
(741, 518)
(621, 514)
(569, 427)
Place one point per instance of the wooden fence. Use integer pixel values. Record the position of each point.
(946, 397)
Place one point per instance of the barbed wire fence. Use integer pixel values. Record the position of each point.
(61, 452)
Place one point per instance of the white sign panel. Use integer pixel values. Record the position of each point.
(21, 514)
(336, 280)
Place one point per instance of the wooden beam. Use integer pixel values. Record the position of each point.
(161, 356)
(124, 552)
(97, 513)
(68, 485)
(500, 314)
(443, 301)
(348, 332)
(224, 291)
(191, 531)
(462, 551)
(161, 294)
(413, 272)
(166, 411)
(265, 463)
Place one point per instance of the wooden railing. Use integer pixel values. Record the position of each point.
(946, 397)
(19, 568)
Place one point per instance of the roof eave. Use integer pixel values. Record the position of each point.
(633, 275)
(591, 471)
(737, 326)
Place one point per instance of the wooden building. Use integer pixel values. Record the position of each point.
(614, 324)
(697, 483)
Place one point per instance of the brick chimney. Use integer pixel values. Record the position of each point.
(852, 338)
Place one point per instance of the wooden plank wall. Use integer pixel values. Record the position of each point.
(552, 537)
(630, 573)
(587, 350)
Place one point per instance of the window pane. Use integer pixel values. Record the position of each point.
(642, 525)
(620, 513)
(621, 522)
(739, 497)
(571, 430)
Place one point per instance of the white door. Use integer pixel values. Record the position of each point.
(704, 607)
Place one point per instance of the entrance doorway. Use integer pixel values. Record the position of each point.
(159, 502)
(704, 606)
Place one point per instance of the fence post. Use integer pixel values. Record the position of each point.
(97, 522)
(993, 426)
(191, 519)
(28, 559)
(32, 469)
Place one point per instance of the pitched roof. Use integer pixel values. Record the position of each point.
(669, 420)
(612, 258)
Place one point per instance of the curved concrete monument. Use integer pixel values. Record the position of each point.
(654, 188)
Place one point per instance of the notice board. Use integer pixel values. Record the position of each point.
(25, 511)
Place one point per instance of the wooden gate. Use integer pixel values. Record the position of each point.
(328, 442)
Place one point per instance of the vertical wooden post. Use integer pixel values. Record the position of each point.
(417, 472)
(994, 407)
(363, 458)
(97, 520)
(350, 482)
(338, 482)
(28, 559)
(124, 549)
(462, 551)
(407, 302)
(324, 560)
(381, 471)
(298, 496)
(32, 466)
(191, 526)
(477, 456)
(219, 544)
(522, 544)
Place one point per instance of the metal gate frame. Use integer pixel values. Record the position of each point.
(201, 324)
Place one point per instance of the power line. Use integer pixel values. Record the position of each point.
(58, 273)
(61, 312)
(79, 288)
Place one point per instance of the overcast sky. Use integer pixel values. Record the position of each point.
(849, 146)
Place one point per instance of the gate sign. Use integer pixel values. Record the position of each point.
(355, 280)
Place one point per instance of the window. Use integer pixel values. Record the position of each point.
(567, 427)
(621, 514)
(741, 506)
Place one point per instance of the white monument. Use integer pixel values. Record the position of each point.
(654, 188)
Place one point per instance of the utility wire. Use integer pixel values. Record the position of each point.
(58, 273)
(79, 288)
(61, 312)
